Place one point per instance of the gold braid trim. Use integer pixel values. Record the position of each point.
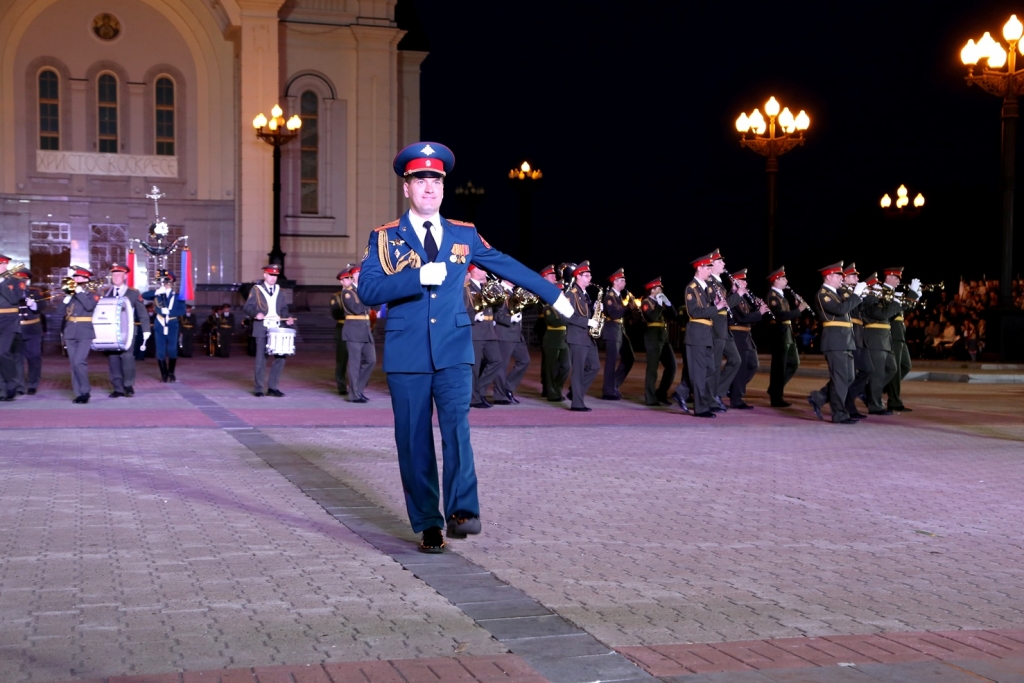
(382, 253)
(411, 260)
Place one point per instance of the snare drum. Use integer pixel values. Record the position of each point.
(113, 319)
(281, 341)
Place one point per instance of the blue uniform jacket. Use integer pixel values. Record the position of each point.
(177, 308)
(427, 328)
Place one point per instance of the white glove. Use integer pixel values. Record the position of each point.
(31, 304)
(162, 290)
(665, 302)
(433, 273)
(67, 299)
(79, 290)
(859, 289)
(562, 306)
(517, 317)
(165, 311)
(479, 317)
(591, 322)
(915, 286)
(145, 336)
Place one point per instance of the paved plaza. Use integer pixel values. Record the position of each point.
(198, 533)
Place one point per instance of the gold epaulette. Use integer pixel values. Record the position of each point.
(466, 224)
(392, 224)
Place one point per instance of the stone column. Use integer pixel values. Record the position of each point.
(409, 62)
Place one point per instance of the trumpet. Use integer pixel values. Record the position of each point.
(491, 294)
(68, 285)
(12, 270)
(521, 299)
(939, 286)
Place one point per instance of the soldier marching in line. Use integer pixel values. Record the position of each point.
(619, 356)
(725, 345)
(878, 340)
(702, 306)
(657, 311)
(861, 355)
(582, 347)
(266, 307)
(554, 366)
(785, 357)
(901, 351)
(358, 336)
(511, 346)
(487, 358)
(744, 314)
(12, 292)
(340, 346)
(78, 306)
(167, 309)
(187, 341)
(121, 364)
(28, 343)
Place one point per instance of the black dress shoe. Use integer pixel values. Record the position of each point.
(481, 404)
(19, 392)
(363, 396)
(275, 392)
(605, 397)
(903, 409)
(879, 412)
(172, 378)
(258, 394)
(815, 407)
(681, 403)
(460, 527)
(743, 406)
(716, 409)
(512, 398)
(342, 392)
(720, 404)
(501, 402)
(5, 398)
(556, 400)
(129, 391)
(432, 541)
(359, 400)
(849, 421)
(84, 398)
(857, 416)
(31, 392)
(781, 404)
(116, 394)
(584, 409)
(707, 414)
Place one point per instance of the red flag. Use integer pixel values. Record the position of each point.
(187, 285)
(131, 268)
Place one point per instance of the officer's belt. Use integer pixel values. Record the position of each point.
(138, 322)
(898, 318)
(357, 317)
(724, 311)
(702, 321)
(614, 320)
(80, 319)
(837, 323)
(340, 322)
(655, 324)
(781, 322)
(856, 321)
(556, 329)
(484, 319)
(878, 326)
(30, 322)
(739, 328)
(8, 310)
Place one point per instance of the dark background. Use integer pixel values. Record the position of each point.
(629, 110)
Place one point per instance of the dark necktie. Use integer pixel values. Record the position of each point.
(428, 242)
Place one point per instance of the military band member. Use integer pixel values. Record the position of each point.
(486, 354)
(785, 357)
(121, 364)
(12, 292)
(78, 306)
(358, 336)
(833, 304)
(582, 347)
(905, 297)
(744, 314)
(340, 345)
(210, 330)
(657, 311)
(417, 266)
(725, 344)
(876, 314)
(28, 344)
(702, 307)
(619, 356)
(266, 306)
(861, 356)
(555, 365)
(511, 347)
(167, 310)
(187, 340)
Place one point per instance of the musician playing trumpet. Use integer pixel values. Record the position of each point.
(508, 318)
(619, 354)
(481, 297)
(266, 307)
(78, 305)
(582, 346)
(12, 291)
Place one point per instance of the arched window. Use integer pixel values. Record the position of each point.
(49, 110)
(106, 100)
(165, 116)
(309, 135)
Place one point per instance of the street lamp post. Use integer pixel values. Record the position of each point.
(524, 178)
(277, 132)
(1002, 78)
(773, 138)
(902, 202)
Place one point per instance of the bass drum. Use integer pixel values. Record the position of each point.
(114, 322)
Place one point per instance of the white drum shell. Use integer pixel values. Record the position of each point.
(113, 320)
(281, 341)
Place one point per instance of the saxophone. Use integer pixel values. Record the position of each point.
(598, 315)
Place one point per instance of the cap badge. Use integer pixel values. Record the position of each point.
(428, 150)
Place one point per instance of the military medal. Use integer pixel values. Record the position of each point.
(459, 253)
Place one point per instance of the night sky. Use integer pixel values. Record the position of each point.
(629, 110)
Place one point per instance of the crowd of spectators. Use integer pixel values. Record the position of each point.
(951, 324)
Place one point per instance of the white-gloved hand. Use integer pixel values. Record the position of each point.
(517, 317)
(433, 273)
(915, 286)
(591, 322)
(661, 298)
(479, 317)
(162, 290)
(665, 302)
(860, 288)
(146, 335)
(31, 303)
(79, 290)
(165, 311)
(67, 299)
(562, 306)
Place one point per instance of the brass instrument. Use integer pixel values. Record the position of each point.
(940, 286)
(68, 285)
(598, 315)
(521, 299)
(491, 294)
(12, 270)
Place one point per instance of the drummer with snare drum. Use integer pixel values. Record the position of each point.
(267, 308)
(122, 361)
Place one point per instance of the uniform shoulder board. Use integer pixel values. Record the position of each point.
(466, 224)
(392, 224)
(693, 285)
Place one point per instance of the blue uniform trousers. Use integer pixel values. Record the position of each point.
(413, 396)
(166, 344)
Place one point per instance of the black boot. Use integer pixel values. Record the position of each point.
(163, 370)
(171, 363)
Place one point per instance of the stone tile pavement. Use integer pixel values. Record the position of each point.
(151, 536)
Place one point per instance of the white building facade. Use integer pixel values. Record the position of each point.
(103, 99)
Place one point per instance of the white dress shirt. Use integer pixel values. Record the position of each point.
(435, 228)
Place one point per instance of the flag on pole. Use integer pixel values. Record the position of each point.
(187, 292)
(131, 268)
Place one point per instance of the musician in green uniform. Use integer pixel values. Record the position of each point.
(340, 346)
(657, 311)
(745, 313)
(554, 349)
(725, 343)
(619, 356)
(861, 355)
(876, 314)
(833, 304)
(906, 298)
(582, 346)
(785, 358)
(702, 305)
(358, 336)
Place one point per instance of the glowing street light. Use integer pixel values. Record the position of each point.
(902, 202)
(772, 138)
(519, 177)
(270, 131)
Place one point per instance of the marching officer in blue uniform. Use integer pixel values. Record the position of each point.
(417, 266)
(168, 308)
